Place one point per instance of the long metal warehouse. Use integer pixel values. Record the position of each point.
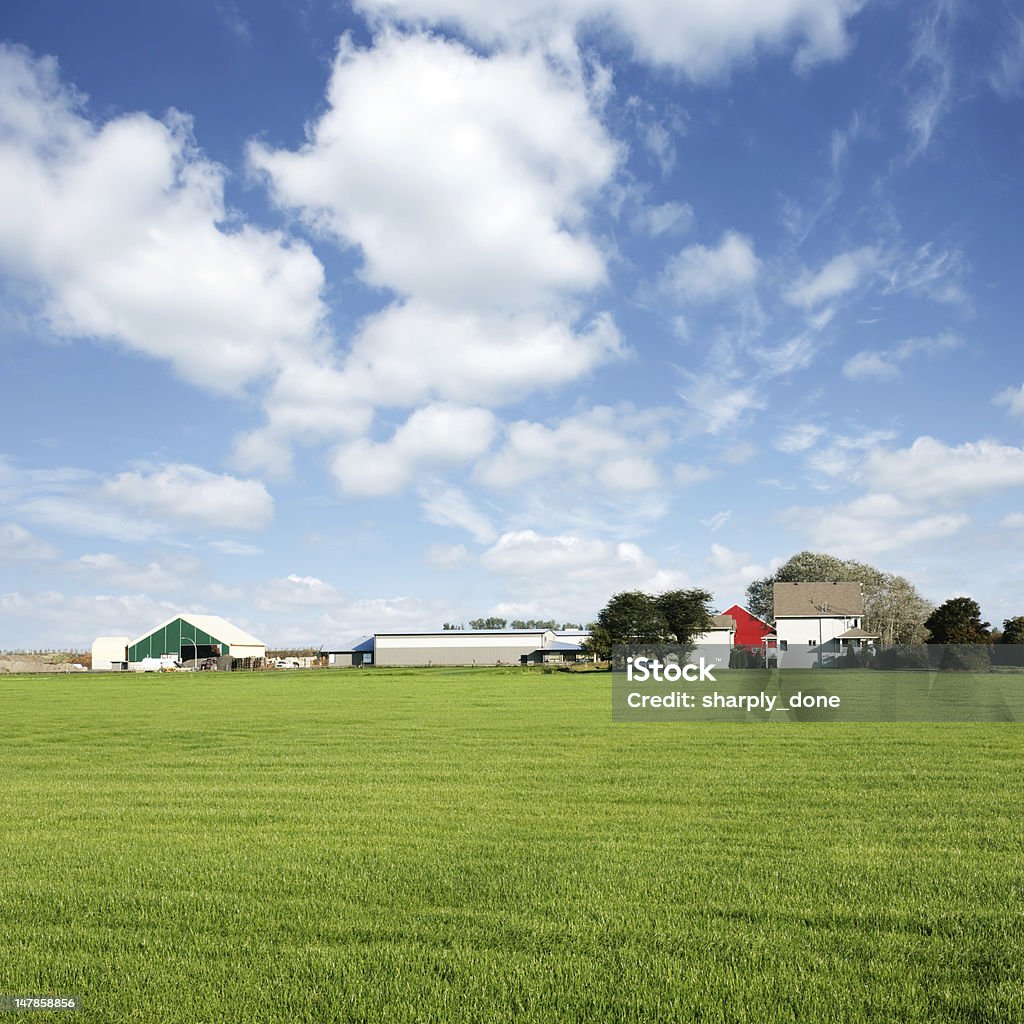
(457, 647)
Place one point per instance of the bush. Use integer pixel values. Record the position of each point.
(739, 658)
(746, 657)
(966, 658)
(1007, 655)
(905, 657)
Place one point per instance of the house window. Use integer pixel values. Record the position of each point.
(812, 643)
(783, 645)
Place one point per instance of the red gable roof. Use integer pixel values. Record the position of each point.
(749, 628)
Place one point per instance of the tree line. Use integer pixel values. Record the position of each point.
(498, 623)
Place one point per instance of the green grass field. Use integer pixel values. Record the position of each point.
(486, 845)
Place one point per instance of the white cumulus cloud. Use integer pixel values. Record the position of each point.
(436, 435)
(702, 39)
(190, 494)
(703, 273)
(613, 446)
(414, 352)
(840, 275)
(462, 179)
(122, 229)
(570, 575)
(930, 470)
(872, 524)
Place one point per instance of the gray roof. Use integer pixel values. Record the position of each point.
(857, 634)
(466, 632)
(723, 622)
(367, 644)
(817, 599)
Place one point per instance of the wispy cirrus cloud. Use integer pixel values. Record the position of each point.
(887, 364)
(19, 545)
(1007, 74)
(930, 75)
(1013, 399)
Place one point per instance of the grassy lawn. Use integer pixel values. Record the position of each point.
(487, 845)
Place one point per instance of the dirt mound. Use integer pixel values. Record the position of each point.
(11, 664)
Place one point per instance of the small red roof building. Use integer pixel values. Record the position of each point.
(750, 630)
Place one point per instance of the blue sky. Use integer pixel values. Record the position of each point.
(335, 319)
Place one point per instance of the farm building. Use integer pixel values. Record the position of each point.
(194, 637)
(109, 653)
(813, 620)
(348, 655)
(750, 630)
(458, 647)
(722, 631)
(557, 652)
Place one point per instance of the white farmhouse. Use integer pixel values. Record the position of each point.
(817, 619)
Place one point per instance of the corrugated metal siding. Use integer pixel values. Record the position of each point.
(466, 639)
(505, 655)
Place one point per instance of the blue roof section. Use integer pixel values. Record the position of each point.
(366, 644)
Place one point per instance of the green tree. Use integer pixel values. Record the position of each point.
(633, 617)
(685, 612)
(630, 617)
(759, 598)
(957, 621)
(893, 609)
(1013, 630)
(490, 623)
